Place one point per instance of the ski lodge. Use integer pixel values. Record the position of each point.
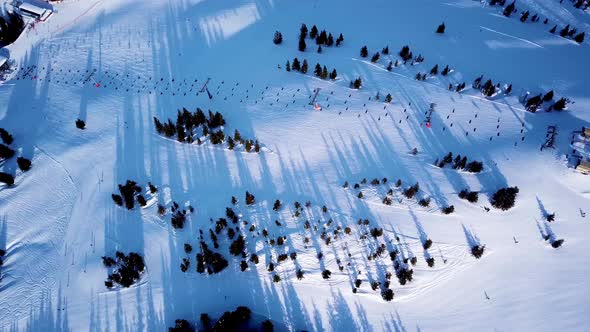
(38, 13)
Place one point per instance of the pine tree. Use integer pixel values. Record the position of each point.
(324, 73)
(320, 49)
(388, 98)
(510, 9)
(278, 38)
(296, 65)
(364, 52)
(445, 71)
(524, 16)
(318, 70)
(6, 136)
(565, 31)
(323, 37)
(339, 40)
(375, 57)
(579, 38)
(313, 32)
(304, 66)
(390, 66)
(303, 31)
(508, 90)
(553, 29)
(441, 28)
(548, 96)
(385, 50)
(434, 70)
(288, 66)
(330, 40)
(302, 45)
(23, 163)
(357, 83)
(333, 74)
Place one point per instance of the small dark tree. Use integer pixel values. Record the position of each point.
(296, 66)
(553, 29)
(579, 38)
(278, 38)
(6, 178)
(302, 45)
(333, 74)
(303, 31)
(375, 57)
(364, 52)
(304, 66)
(441, 28)
(434, 70)
(313, 32)
(80, 124)
(5, 136)
(6, 152)
(510, 9)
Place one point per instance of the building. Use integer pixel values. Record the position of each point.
(38, 13)
(583, 167)
(586, 132)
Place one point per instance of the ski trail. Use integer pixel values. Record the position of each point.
(514, 37)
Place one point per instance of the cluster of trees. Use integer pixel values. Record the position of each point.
(237, 320)
(532, 104)
(212, 126)
(357, 83)
(470, 196)
(460, 163)
(129, 192)
(127, 269)
(504, 198)
(11, 25)
(566, 32)
(6, 152)
(406, 55)
(210, 261)
(319, 71)
(321, 38)
(187, 122)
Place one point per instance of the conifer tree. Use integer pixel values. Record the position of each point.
(445, 71)
(548, 96)
(313, 32)
(385, 50)
(510, 9)
(324, 73)
(288, 66)
(524, 16)
(320, 49)
(579, 38)
(303, 31)
(375, 57)
(339, 40)
(304, 66)
(388, 98)
(434, 70)
(278, 38)
(364, 52)
(318, 70)
(302, 45)
(333, 74)
(296, 65)
(553, 29)
(330, 40)
(390, 66)
(441, 28)
(565, 31)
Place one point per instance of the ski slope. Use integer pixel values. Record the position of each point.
(117, 64)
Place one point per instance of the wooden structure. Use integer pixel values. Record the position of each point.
(583, 167)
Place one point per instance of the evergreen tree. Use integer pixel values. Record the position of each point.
(6, 178)
(330, 40)
(553, 29)
(548, 96)
(560, 104)
(296, 66)
(357, 83)
(388, 98)
(323, 37)
(303, 31)
(434, 70)
(80, 124)
(6, 137)
(320, 49)
(510, 9)
(441, 28)
(318, 70)
(339, 40)
(524, 16)
(375, 57)
(23, 163)
(288, 66)
(324, 73)
(278, 38)
(313, 32)
(333, 74)
(390, 66)
(6, 152)
(385, 50)
(579, 38)
(565, 31)
(508, 90)
(364, 52)
(445, 71)
(304, 66)
(302, 45)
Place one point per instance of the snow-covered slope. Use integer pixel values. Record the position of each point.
(117, 64)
